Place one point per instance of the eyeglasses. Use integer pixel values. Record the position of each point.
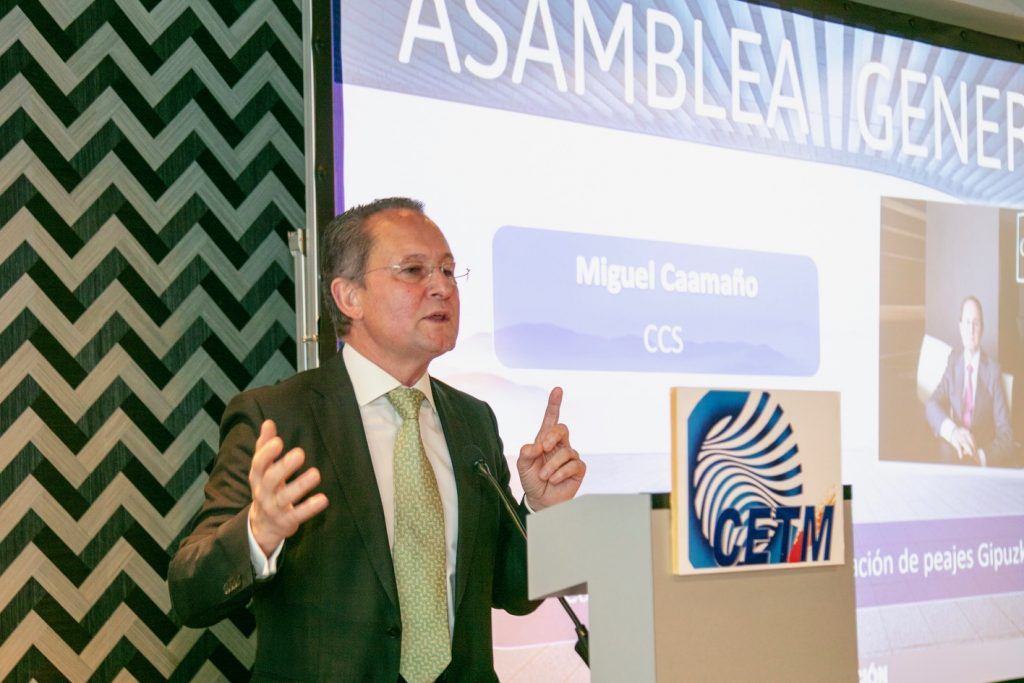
(418, 272)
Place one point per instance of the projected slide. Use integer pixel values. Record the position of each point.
(717, 194)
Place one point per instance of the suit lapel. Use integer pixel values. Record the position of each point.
(340, 426)
(459, 437)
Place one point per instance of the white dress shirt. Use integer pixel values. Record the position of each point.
(381, 423)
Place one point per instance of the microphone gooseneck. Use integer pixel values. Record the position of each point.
(582, 646)
(483, 470)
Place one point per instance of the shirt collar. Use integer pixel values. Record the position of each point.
(370, 381)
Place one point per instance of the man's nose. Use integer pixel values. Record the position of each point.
(439, 284)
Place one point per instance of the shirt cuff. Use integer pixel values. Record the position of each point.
(263, 567)
(946, 429)
(526, 504)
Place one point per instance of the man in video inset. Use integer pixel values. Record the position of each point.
(968, 408)
(346, 502)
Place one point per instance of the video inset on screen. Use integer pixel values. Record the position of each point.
(951, 334)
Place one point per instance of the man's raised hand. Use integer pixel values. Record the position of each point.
(550, 470)
(279, 506)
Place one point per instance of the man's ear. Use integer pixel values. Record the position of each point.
(347, 297)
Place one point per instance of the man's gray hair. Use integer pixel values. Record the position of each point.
(345, 244)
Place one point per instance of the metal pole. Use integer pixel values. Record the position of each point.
(304, 245)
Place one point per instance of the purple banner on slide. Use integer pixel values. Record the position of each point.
(918, 561)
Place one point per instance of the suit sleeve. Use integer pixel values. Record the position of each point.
(999, 452)
(938, 407)
(510, 589)
(211, 574)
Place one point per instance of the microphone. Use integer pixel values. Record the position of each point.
(582, 646)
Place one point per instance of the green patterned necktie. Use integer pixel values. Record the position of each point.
(419, 553)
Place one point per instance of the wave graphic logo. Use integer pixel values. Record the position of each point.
(745, 473)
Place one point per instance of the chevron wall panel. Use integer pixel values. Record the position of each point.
(150, 167)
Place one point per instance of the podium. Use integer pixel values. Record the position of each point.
(647, 624)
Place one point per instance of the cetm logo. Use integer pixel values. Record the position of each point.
(745, 477)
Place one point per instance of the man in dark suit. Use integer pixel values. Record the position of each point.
(968, 408)
(360, 568)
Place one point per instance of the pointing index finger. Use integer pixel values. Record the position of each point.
(552, 411)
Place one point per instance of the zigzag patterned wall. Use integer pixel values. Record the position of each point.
(150, 167)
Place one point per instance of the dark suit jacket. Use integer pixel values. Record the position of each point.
(990, 424)
(331, 612)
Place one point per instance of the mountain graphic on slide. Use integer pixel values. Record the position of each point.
(551, 346)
